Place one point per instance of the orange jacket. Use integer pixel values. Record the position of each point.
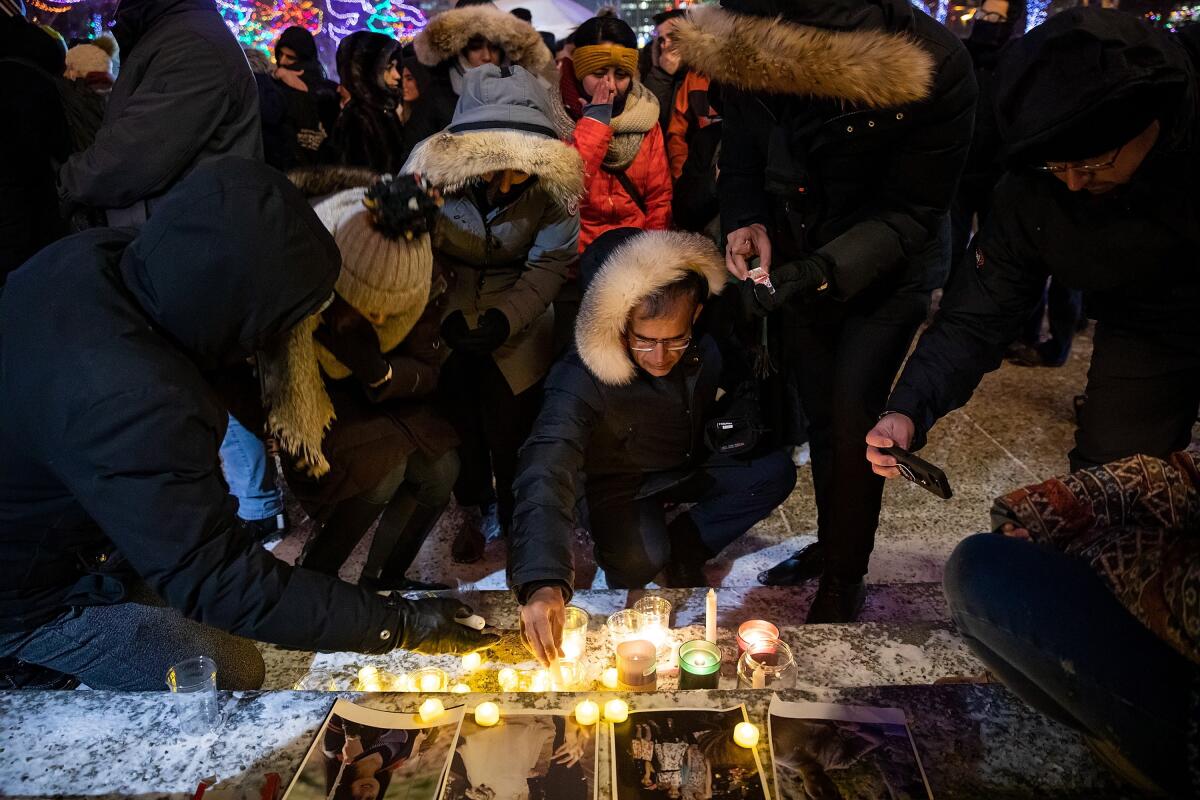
(606, 204)
(690, 108)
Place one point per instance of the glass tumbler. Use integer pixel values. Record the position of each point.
(193, 685)
(767, 664)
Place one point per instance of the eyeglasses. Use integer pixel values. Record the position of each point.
(1059, 168)
(641, 345)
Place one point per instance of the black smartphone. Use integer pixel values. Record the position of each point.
(920, 472)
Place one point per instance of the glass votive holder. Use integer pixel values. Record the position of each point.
(755, 630)
(624, 626)
(767, 664)
(430, 679)
(193, 685)
(699, 665)
(637, 665)
(574, 636)
(566, 675)
(656, 620)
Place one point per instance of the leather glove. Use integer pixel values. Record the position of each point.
(492, 331)
(428, 626)
(454, 328)
(805, 278)
(353, 341)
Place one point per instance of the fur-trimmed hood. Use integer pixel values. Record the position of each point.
(638, 267)
(448, 33)
(872, 68)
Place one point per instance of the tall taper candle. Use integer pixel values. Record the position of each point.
(710, 616)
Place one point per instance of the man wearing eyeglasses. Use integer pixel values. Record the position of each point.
(628, 422)
(1099, 116)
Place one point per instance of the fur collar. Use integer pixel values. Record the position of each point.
(636, 269)
(760, 54)
(448, 33)
(450, 161)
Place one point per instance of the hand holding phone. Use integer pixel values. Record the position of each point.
(920, 471)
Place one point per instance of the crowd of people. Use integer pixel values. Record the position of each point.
(582, 284)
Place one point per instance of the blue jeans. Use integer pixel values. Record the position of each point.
(250, 474)
(632, 543)
(1048, 627)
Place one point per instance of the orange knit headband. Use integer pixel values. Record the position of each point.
(594, 57)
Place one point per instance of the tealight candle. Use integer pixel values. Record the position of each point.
(430, 679)
(699, 665)
(574, 634)
(487, 714)
(609, 678)
(460, 688)
(369, 679)
(624, 626)
(472, 662)
(508, 679)
(587, 713)
(539, 681)
(656, 620)
(566, 675)
(431, 709)
(745, 734)
(754, 631)
(616, 710)
(637, 665)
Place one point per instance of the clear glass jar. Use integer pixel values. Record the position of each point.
(767, 664)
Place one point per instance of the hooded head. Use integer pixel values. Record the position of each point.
(448, 34)
(135, 17)
(362, 59)
(622, 270)
(231, 258)
(301, 44)
(502, 122)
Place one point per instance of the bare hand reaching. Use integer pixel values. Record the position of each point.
(743, 245)
(542, 624)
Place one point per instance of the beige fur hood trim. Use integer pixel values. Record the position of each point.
(865, 68)
(450, 161)
(636, 269)
(448, 33)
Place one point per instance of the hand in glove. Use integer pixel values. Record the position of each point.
(493, 331)
(806, 278)
(428, 626)
(353, 341)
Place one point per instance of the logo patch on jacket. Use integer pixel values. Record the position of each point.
(979, 258)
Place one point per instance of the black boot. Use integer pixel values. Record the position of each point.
(837, 600)
(402, 530)
(336, 540)
(17, 674)
(468, 544)
(799, 567)
(688, 555)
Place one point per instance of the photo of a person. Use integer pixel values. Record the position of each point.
(528, 756)
(683, 754)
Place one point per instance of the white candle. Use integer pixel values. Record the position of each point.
(431, 709)
(460, 688)
(369, 679)
(487, 714)
(758, 679)
(587, 713)
(609, 678)
(710, 616)
(508, 679)
(472, 662)
(616, 710)
(745, 734)
(540, 681)
(432, 681)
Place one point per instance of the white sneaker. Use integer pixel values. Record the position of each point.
(801, 455)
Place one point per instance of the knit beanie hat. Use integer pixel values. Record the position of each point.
(90, 62)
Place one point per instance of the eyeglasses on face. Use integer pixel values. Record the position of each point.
(641, 345)
(1059, 167)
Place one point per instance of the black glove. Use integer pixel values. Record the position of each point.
(493, 331)
(353, 341)
(805, 278)
(428, 626)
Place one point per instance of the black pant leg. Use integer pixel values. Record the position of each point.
(814, 350)
(506, 421)
(629, 535)
(461, 379)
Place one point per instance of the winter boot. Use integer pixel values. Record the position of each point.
(688, 554)
(336, 540)
(469, 543)
(799, 567)
(403, 529)
(17, 674)
(837, 600)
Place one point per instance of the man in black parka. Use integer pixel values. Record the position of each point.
(112, 502)
(846, 125)
(1098, 112)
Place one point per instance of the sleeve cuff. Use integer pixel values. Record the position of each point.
(526, 589)
(602, 113)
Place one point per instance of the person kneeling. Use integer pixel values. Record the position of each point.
(628, 408)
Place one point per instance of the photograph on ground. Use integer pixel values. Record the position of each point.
(825, 752)
(528, 755)
(364, 754)
(684, 754)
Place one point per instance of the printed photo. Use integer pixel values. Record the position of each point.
(684, 754)
(825, 752)
(528, 755)
(364, 754)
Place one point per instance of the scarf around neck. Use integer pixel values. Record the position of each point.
(630, 126)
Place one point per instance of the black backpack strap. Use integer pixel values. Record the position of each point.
(627, 185)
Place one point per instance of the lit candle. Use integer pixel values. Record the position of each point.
(745, 734)
(472, 662)
(404, 683)
(369, 679)
(609, 678)
(637, 665)
(460, 688)
(754, 631)
(508, 679)
(567, 675)
(487, 714)
(574, 633)
(431, 709)
(587, 713)
(699, 665)
(758, 679)
(540, 681)
(616, 710)
(710, 616)
(430, 679)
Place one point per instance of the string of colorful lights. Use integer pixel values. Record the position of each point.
(258, 23)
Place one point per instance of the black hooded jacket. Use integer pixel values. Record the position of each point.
(1133, 250)
(867, 188)
(369, 132)
(185, 94)
(109, 467)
